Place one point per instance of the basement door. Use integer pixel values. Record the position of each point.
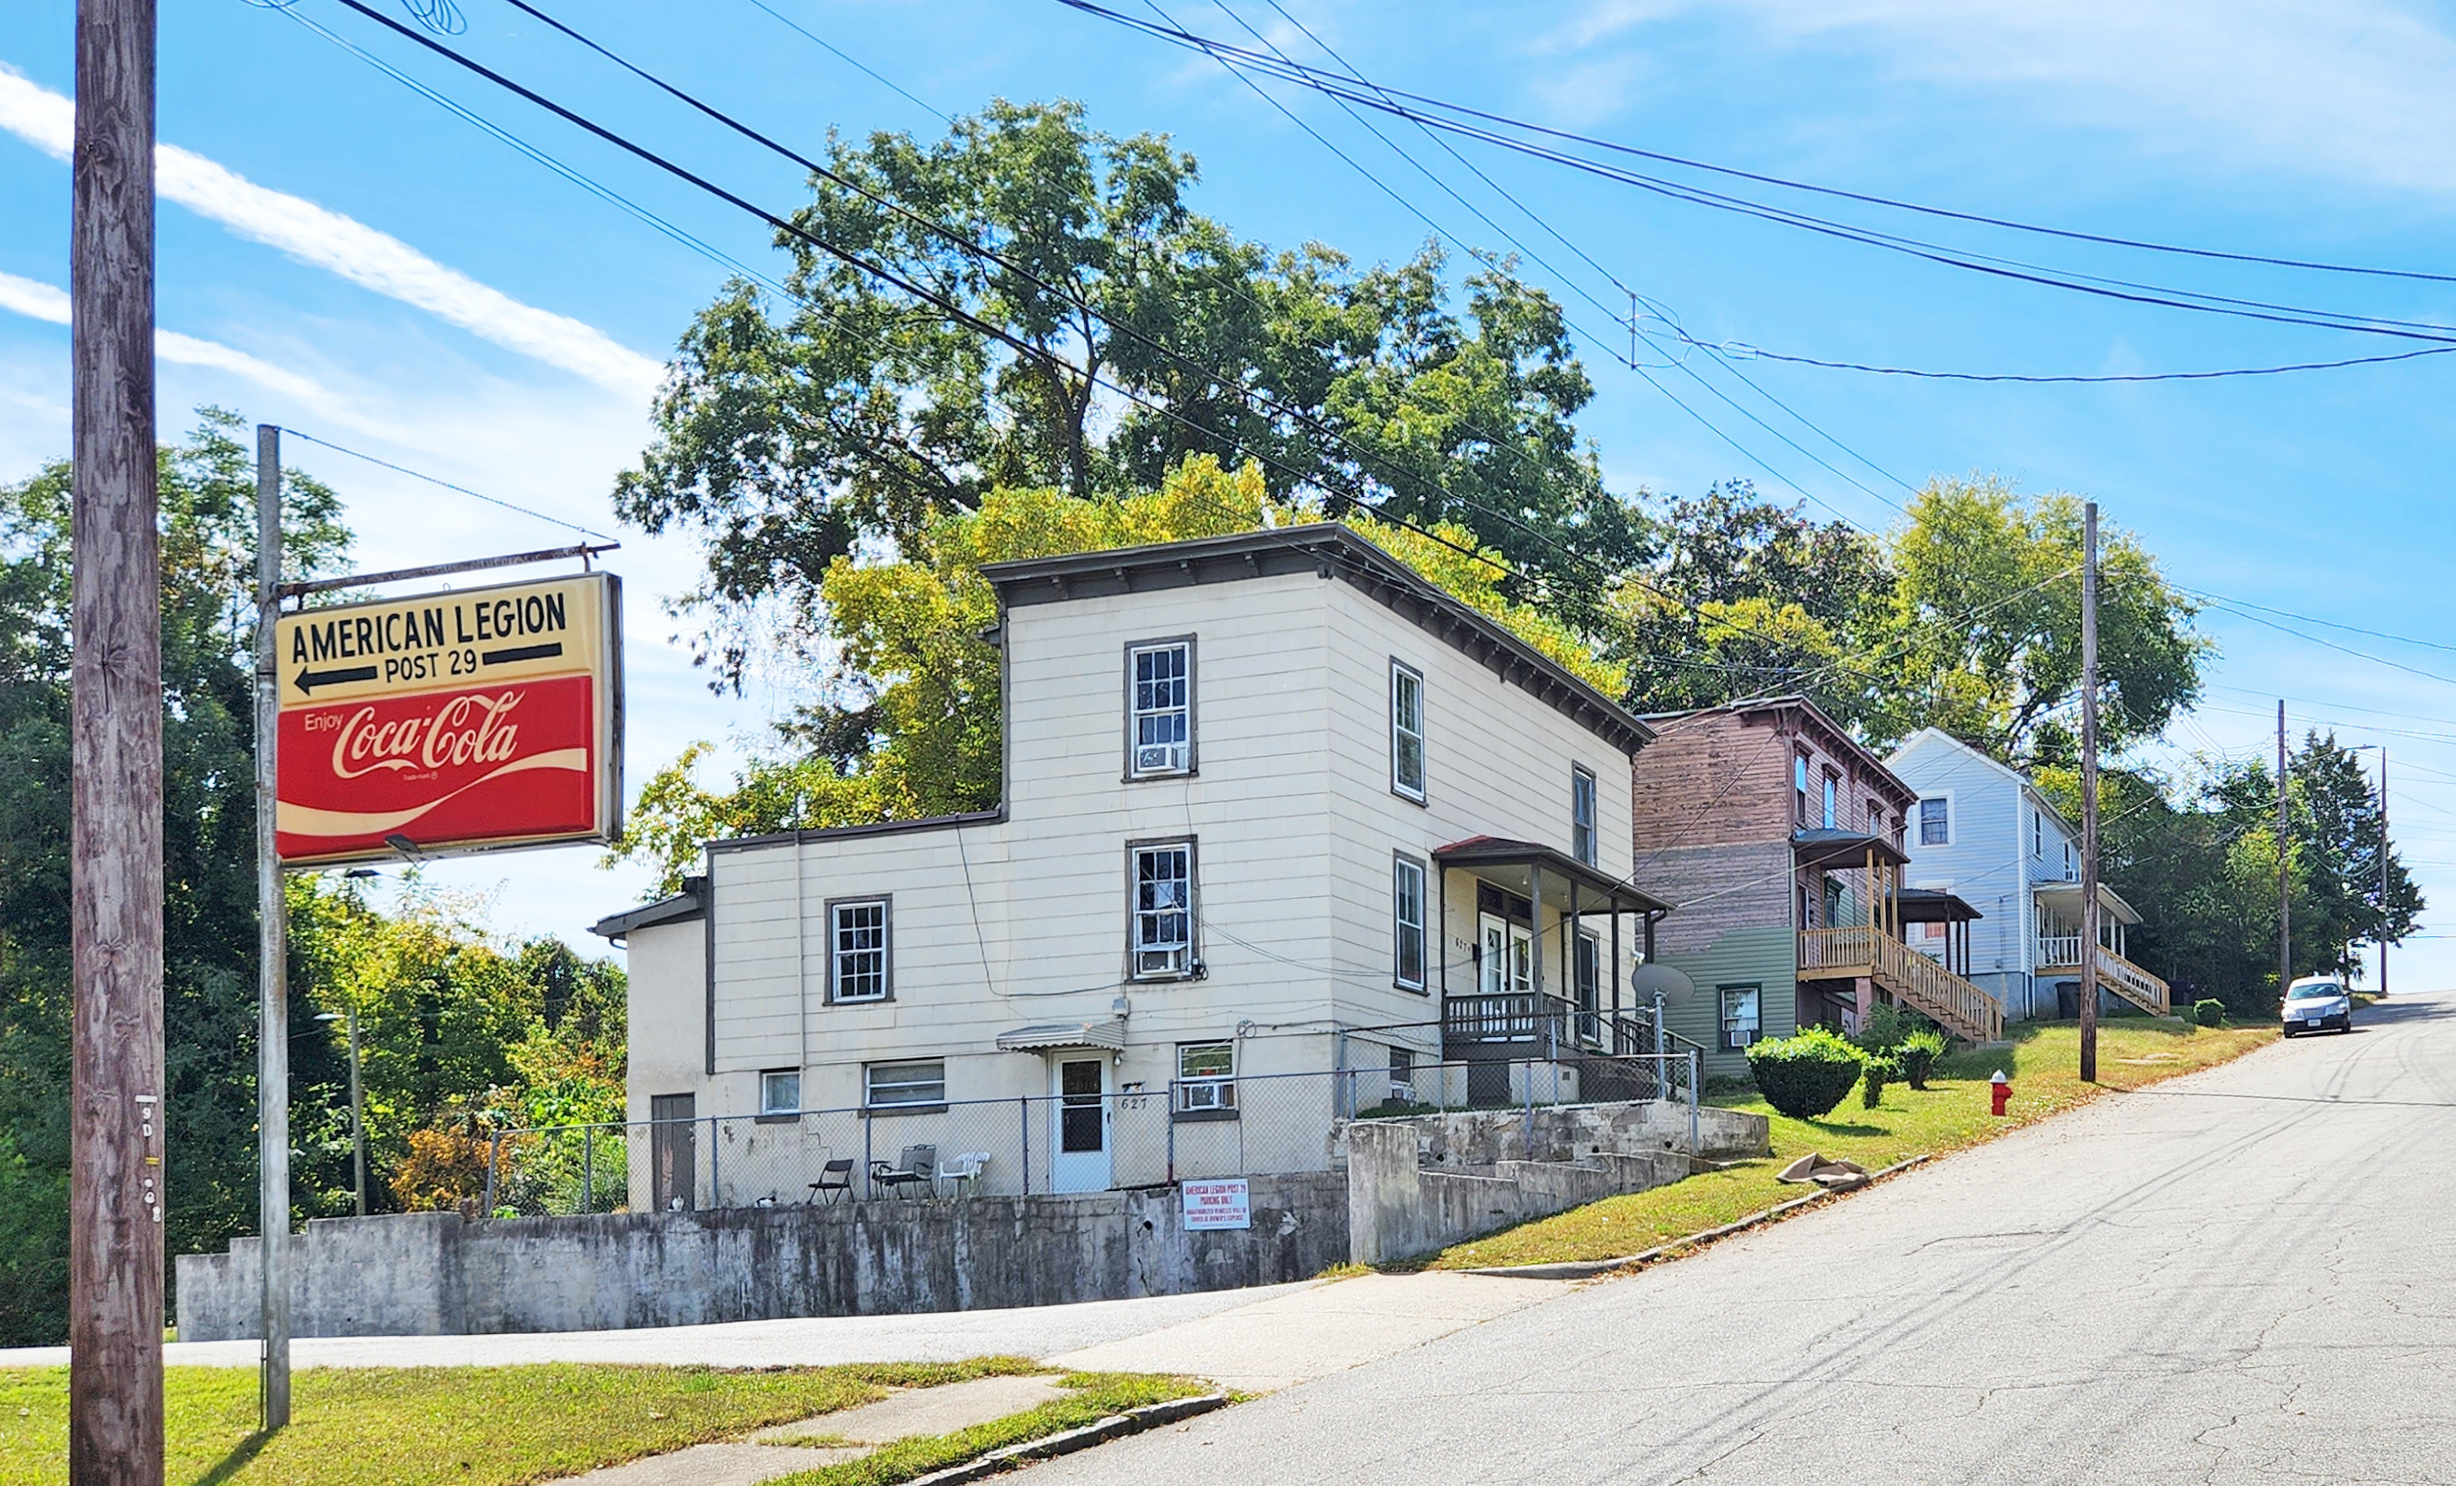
(673, 1151)
(1079, 1110)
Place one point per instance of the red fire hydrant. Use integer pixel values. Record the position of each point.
(2002, 1089)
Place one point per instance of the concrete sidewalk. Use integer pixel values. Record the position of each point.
(1258, 1339)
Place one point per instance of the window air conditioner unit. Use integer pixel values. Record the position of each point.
(1152, 758)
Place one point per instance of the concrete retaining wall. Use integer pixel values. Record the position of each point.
(1398, 1207)
(436, 1274)
(1482, 1137)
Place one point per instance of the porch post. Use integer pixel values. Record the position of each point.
(1535, 924)
(1569, 962)
(1615, 975)
(1441, 926)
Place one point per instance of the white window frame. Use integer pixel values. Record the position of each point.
(1833, 801)
(1176, 958)
(1734, 1038)
(1206, 1093)
(838, 955)
(1405, 678)
(912, 1074)
(1170, 765)
(780, 1091)
(1585, 836)
(1945, 800)
(2038, 833)
(1799, 787)
(1403, 870)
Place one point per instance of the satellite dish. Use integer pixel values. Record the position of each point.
(1672, 985)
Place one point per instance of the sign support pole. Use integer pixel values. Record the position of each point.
(115, 1142)
(272, 950)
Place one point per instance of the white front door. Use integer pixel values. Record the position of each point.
(1079, 1110)
(1508, 957)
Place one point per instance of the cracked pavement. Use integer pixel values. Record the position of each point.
(2244, 1275)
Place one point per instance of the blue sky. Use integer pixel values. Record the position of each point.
(343, 256)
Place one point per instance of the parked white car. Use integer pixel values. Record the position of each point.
(2318, 1003)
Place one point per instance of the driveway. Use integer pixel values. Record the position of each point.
(2248, 1275)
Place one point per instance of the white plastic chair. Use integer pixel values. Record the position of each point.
(957, 1171)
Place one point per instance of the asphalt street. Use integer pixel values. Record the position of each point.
(2246, 1275)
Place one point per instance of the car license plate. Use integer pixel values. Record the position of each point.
(2314, 1021)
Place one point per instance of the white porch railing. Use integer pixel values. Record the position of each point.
(2117, 974)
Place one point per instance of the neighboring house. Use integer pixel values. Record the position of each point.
(1274, 805)
(1984, 833)
(1781, 839)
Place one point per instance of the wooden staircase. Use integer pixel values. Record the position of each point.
(2060, 954)
(1910, 977)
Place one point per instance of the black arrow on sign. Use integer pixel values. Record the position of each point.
(308, 681)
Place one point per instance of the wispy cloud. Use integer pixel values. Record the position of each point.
(347, 247)
(2356, 90)
(41, 301)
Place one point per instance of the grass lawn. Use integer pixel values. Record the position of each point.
(2044, 1063)
(1097, 1396)
(474, 1426)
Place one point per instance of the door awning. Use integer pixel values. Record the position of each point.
(1107, 1034)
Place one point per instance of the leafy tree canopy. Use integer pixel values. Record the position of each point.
(913, 729)
(1130, 333)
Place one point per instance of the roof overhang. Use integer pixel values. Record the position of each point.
(687, 904)
(2066, 897)
(1927, 905)
(1516, 864)
(1835, 849)
(1106, 1034)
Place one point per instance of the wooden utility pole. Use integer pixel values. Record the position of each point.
(115, 1184)
(2089, 793)
(272, 953)
(2285, 894)
(2383, 869)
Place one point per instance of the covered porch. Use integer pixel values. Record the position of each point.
(1550, 939)
(2057, 948)
(1861, 947)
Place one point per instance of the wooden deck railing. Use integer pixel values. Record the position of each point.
(2117, 974)
(1964, 1009)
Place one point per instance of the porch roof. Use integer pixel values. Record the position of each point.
(1927, 905)
(2065, 898)
(1511, 864)
(1827, 847)
(1105, 1033)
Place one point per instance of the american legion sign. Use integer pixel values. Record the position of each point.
(466, 721)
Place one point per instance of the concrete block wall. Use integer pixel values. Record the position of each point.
(436, 1274)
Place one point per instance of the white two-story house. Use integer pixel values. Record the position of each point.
(1982, 832)
(1268, 799)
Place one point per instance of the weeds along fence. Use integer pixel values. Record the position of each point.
(1190, 1129)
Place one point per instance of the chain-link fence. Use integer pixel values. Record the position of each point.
(1193, 1128)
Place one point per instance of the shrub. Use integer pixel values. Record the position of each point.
(1807, 1075)
(1873, 1079)
(1917, 1055)
(1888, 1027)
(2209, 1013)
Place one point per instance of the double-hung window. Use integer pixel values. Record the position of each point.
(1831, 789)
(905, 1085)
(1936, 822)
(1582, 813)
(1160, 706)
(1160, 934)
(1799, 787)
(1206, 1077)
(1406, 732)
(857, 951)
(780, 1091)
(1740, 1021)
(1407, 922)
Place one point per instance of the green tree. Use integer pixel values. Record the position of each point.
(208, 490)
(1983, 633)
(1737, 596)
(1130, 333)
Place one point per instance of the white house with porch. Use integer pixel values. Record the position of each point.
(1285, 827)
(1982, 832)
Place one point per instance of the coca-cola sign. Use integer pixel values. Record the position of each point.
(451, 722)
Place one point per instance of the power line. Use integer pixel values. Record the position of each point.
(448, 485)
(1946, 213)
(1746, 351)
(2351, 629)
(1968, 260)
(850, 60)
